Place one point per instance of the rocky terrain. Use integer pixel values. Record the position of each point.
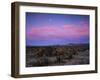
(75, 54)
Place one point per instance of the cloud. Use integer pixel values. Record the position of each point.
(52, 32)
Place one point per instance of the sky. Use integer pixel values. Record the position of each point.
(44, 29)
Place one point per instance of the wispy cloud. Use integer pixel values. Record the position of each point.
(52, 32)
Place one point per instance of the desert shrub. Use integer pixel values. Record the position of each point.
(48, 51)
(52, 60)
(57, 55)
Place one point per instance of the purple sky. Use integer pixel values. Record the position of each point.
(44, 29)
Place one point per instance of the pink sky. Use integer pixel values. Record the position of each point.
(67, 30)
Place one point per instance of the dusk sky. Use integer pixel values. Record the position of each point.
(44, 29)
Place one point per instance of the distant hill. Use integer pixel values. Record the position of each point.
(70, 44)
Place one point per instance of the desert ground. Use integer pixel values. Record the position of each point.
(73, 54)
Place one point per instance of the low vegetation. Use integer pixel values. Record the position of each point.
(57, 55)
